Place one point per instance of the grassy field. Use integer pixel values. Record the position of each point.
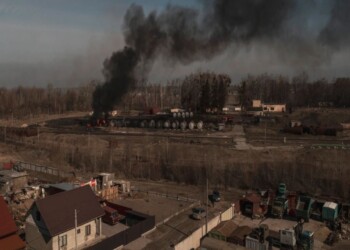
(182, 160)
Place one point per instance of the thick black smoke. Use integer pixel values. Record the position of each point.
(336, 34)
(119, 78)
(185, 35)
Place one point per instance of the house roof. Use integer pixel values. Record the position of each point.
(57, 211)
(65, 186)
(13, 242)
(109, 209)
(215, 244)
(252, 197)
(7, 224)
(226, 228)
(241, 232)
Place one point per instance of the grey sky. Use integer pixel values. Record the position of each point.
(65, 43)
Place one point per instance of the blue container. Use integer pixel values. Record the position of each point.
(330, 211)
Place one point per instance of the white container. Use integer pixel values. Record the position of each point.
(183, 125)
(200, 125)
(254, 244)
(166, 124)
(287, 237)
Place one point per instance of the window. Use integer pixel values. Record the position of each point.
(272, 108)
(63, 240)
(78, 231)
(37, 216)
(87, 230)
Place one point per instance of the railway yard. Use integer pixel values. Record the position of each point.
(162, 163)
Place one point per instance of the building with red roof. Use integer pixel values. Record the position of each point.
(9, 239)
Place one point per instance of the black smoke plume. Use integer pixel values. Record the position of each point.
(336, 34)
(119, 78)
(184, 35)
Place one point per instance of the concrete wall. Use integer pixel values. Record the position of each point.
(193, 240)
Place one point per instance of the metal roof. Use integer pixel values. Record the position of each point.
(7, 224)
(241, 232)
(66, 186)
(330, 204)
(226, 228)
(13, 242)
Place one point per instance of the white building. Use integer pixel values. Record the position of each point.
(67, 220)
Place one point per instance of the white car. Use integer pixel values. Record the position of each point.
(198, 213)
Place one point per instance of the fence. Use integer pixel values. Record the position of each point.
(132, 233)
(169, 196)
(20, 166)
(193, 240)
(331, 146)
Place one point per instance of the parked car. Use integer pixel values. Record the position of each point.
(198, 213)
(216, 196)
(111, 216)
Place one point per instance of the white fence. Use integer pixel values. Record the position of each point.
(193, 240)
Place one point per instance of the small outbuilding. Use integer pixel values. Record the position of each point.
(223, 231)
(330, 211)
(12, 181)
(238, 236)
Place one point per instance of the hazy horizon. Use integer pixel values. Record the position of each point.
(64, 43)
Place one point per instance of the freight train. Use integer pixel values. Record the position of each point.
(175, 120)
(299, 130)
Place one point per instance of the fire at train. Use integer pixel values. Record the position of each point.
(172, 119)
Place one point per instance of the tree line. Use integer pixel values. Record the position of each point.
(205, 91)
(197, 92)
(297, 92)
(31, 101)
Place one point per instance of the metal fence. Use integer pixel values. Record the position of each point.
(20, 166)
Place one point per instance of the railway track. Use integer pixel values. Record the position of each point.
(209, 139)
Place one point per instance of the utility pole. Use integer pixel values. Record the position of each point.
(265, 135)
(38, 133)
(167, 149)
(206, 200)
(161, 97)
(89, 141)
(75, 227)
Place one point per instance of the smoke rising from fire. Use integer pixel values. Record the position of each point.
(336, 34)
(186, 35)
(119, 78)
